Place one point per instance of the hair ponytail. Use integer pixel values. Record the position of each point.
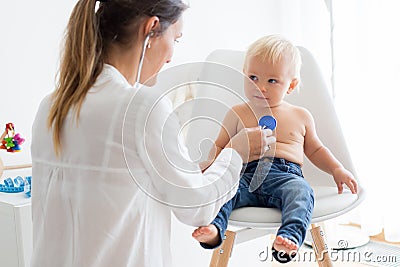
(81, 63)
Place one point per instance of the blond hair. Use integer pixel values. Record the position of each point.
(273, 48)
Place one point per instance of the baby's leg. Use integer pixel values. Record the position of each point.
(207, 235)
(297, 204)
(286, 189)
(282, 243)
(211, 236)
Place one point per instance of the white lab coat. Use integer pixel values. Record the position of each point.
(107, 200)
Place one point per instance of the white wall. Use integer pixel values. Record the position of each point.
(234, 24)
(367, 71)
(30, 34)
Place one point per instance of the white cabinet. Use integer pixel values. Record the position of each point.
(15, 228)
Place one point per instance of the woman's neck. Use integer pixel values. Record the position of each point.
(125, 61)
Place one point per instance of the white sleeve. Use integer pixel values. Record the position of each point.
(176, 180)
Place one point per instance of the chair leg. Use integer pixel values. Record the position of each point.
(221, 255)
(320, 246)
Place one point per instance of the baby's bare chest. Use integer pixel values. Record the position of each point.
(289, 127)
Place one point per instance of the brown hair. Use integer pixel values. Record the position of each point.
(88, 37)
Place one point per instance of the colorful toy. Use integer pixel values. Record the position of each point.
(11, 141)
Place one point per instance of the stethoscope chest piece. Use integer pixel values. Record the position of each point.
(267, 122)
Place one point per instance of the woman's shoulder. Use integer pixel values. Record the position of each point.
(46, 102)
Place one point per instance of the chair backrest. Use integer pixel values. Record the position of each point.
(313, 95)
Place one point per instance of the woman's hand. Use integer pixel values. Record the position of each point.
(252, 143)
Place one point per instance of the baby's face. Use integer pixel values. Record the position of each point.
(268, 83)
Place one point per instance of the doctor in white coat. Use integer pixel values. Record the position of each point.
(107, 173)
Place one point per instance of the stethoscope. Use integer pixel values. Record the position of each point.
(265, 122)
(139, 71)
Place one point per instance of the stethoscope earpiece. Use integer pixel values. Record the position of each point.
(145, 45)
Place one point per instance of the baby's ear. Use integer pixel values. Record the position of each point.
(292, 86)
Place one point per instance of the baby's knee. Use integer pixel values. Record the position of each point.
(305, 190)
(309, 191)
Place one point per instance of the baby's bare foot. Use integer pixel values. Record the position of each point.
(207, 234)
(285, 244)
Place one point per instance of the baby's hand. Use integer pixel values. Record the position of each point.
(343, 176)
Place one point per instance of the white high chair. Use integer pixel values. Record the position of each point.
(314, 96)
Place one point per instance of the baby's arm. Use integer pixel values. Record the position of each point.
(227, 131)
(322, 157)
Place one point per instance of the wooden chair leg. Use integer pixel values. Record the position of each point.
(320, 246)
(221, 255)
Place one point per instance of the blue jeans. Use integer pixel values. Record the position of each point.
(284, 187)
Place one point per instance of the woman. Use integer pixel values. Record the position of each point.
(88, 208)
